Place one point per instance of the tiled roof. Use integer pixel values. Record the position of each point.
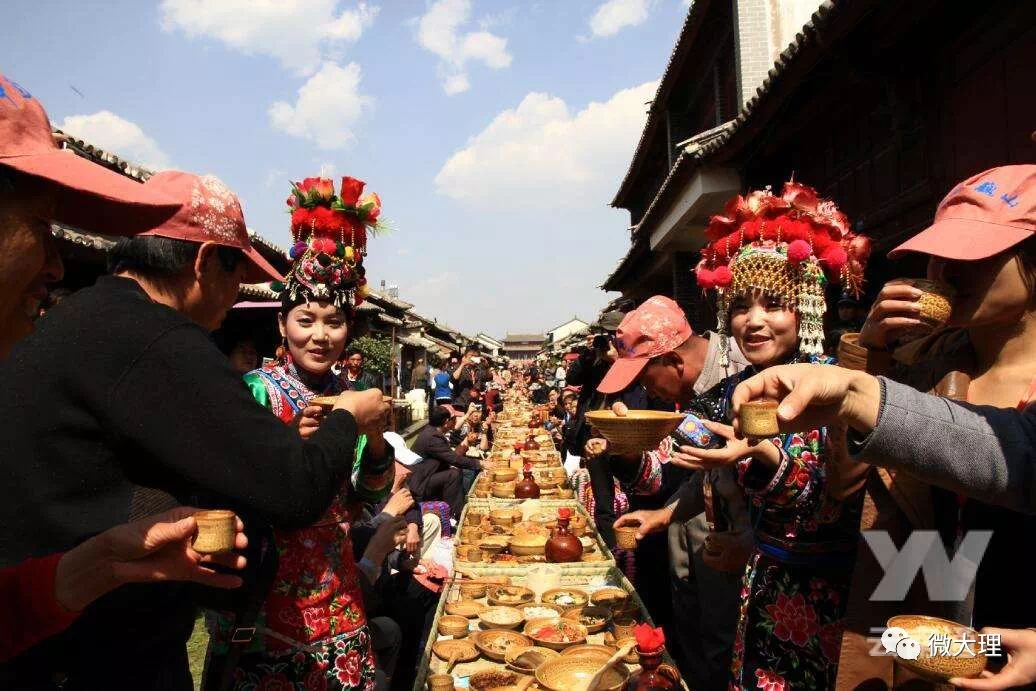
(94, 241)
(104, 158)
(388, 300)
(656, 114)
(271, 252)
(731, 132)
(510, 338)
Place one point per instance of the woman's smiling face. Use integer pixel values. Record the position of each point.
(765, 327)
(316, 333)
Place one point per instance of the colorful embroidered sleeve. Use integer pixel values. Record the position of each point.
(647, 480)
(798, 482)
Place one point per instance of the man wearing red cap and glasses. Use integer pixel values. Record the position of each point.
(658, 349)
(119, 406)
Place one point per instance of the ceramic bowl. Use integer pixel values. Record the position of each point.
(528, 545)
(465, 608)
(505, 516)
(505, 475)
(472, 591)
(565, 597)
(464, 650)
(612, 598)
(527, 660)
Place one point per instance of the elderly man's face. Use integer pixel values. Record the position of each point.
(29, 260)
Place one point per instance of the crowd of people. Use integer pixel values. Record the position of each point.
(123, 418)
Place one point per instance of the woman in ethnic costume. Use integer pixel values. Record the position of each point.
(769, 260)
(313, 631)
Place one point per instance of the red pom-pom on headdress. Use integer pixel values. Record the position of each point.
(723, 276)
(799, 251)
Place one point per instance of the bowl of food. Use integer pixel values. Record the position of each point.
(638, 430)
(492, 679)
(959, 661)
(565, 597)
(492, 548)
(474, 516)
(465, 608)
(632, 657)
(574, 672)
(525, 544)
(541, 610)
(527, 660)
(453, 625)
(545, 519)
(509, 595)
(501, 618)
(611, 598)
(505, 517)
(495, 643)
(593, 617)
(556, 634)
(566, 493)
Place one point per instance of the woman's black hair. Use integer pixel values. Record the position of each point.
(353, 350)
(159, 257)
(288, 303)
(1026, 253)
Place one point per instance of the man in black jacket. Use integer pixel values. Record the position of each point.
(121, 406)
(359, 378)
(438, 475)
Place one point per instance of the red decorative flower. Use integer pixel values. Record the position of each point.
(769, 681)
(795, 619)
(371, 206)
(316, 680)
(274, 682)
(798, 476)
(351, 190)
(348, 667)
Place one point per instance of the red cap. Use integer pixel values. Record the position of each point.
(655, 328)
(93, 198)
(210, 213)
(982, 216)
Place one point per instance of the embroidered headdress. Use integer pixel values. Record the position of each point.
(329, 241)
(787, 246)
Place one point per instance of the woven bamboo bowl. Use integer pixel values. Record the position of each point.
(217, 532)
(453, 625)
(577, 630)
(505, 517)
(503, 490)
(936, 300)
(496, 643)
(525, 544)
(505, 475)
(639, 430)
(465, 608)
(501, 618)
(573, 672)
(533, 658)
(472, 591)
(967, 664)
(601, 615)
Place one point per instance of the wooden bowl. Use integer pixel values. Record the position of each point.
(472, 591)
(582, 614)
(482, 493)
(501, 617)
(475, 516)
(505, 517)
(503, 490)
(440, 682)
(573, 672)
(578, 632)
(464, 649)
(578, 597)
(465, 608)
(496, 643)
(638, 430)
(527, 545)
(491, 548)
(539, 656)
(453, 625)
(942, 667)
(611, 598)
(510, 595)
(504, 475)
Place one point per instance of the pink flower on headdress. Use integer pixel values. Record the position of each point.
(370, 205)
(317, 189)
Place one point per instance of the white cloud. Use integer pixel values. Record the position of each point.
(439, 31)
(542, 151)
(121, 137)
(436, 288)
(615, 15)
(328, 106)
(274, 177)
(294, 32)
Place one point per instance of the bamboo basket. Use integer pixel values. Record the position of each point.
(640, 430)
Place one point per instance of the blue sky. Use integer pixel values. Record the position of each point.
(495, 132)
